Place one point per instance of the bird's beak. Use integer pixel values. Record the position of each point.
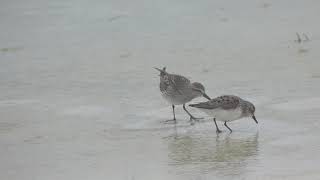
(254, 118)
(206, 96)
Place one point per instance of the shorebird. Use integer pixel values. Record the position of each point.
(227, 108)
(178, 90)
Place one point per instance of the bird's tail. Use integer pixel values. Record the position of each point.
(162, 71)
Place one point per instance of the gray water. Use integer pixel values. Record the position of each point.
(80, 100)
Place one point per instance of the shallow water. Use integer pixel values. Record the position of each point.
(80, 100)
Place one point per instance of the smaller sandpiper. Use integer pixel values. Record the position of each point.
(227, 108)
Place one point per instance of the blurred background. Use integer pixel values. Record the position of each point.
(79, 98)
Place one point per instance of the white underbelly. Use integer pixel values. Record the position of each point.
(176, 99)
(224, 115)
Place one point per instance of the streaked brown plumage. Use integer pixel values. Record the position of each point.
(178, 90)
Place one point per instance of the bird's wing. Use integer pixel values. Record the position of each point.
(224, 102)
(179, 81)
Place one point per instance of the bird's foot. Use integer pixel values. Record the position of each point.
(174, 121)
(218, 131)
(194, 118)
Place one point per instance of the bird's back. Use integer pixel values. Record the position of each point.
(223, 108)
(175, 88)
(226, 102)
(173, 81)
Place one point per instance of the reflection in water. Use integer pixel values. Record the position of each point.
(225, 154)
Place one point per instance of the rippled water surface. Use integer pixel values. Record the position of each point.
(80, 100)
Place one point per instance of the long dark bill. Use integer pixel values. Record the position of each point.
(206, 96)
(254, 118)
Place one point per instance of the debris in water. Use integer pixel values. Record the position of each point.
(300, 40)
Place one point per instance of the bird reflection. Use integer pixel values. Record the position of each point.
(225, 154)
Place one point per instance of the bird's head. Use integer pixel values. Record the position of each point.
(249, 110)
(199, 90)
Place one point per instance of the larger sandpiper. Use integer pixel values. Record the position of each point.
(227, 108)
(178, 90)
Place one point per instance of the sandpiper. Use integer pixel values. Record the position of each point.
(178, 90)
(227, 108)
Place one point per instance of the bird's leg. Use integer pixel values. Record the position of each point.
(191, 117)
(218, 130)
(174, 115)
(225, 124)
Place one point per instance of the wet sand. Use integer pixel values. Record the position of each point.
(80, 100)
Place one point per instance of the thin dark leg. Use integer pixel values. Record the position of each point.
(225, 123)
(174, 115)
(191, 117)
(218, 130)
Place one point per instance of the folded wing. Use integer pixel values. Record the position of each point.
(224, 102)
